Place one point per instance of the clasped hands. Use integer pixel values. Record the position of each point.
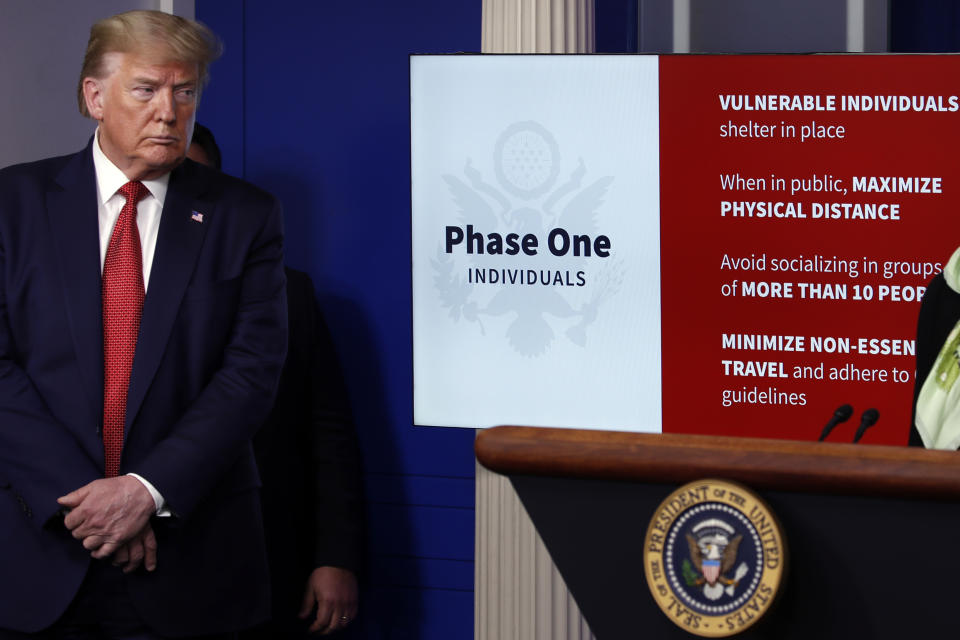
(111, 518)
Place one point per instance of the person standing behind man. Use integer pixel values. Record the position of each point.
(142, 333)
(309, 461)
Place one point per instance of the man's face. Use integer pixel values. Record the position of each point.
(146, 112)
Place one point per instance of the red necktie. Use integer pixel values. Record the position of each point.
(123, 294)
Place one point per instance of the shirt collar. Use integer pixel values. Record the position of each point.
(110, 178)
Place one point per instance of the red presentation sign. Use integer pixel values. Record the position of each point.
(805, 203)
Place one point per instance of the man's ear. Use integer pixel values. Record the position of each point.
(93, 94)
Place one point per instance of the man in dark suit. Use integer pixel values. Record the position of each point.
(142, 333)
(309, 461)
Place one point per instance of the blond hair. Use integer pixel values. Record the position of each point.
(176, 39)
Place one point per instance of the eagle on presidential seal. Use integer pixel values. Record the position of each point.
(713, 551)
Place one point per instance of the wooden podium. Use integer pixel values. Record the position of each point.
(869, 529)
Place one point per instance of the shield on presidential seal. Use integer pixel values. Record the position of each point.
(711, 570)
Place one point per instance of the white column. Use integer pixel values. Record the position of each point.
(681, 26)
(855, 26)
(537, 26)
(518, 592)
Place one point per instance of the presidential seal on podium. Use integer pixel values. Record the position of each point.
(714, 557)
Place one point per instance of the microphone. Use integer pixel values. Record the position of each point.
(867, 420)
(842, 414)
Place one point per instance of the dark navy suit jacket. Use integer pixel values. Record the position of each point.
(211, 345)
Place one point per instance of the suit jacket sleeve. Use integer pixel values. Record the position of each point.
(30, 437)
(338, 512)
(216, 429)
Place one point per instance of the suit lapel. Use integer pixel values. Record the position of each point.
(178, 245)
(72, 212)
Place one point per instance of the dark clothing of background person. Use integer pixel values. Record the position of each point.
(309, 463)
(939, 313)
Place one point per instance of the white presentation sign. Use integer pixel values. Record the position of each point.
(536, 230)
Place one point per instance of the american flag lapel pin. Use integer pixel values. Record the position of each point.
(196, 216)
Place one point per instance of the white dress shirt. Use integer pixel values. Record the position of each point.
(109, 203)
